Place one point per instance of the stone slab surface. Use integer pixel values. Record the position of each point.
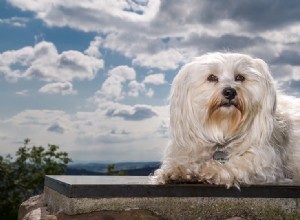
(173, 208)
(137, 186)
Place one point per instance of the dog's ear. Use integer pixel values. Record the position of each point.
(265, 117)
(181, 110)
(270, 95)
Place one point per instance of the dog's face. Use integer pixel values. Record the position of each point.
(228, 92)
(223, 94)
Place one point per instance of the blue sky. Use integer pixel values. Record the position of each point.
(93, 76)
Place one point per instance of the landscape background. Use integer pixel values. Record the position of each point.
(123, 168)
(94, 76)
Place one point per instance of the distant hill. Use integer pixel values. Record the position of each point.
(126, 168)
(81, 172)
(141, 171)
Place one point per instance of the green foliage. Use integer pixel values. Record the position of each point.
(111, 170)
(23, 176)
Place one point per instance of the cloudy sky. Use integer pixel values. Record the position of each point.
(93, 76)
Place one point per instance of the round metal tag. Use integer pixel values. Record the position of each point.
(220, 156)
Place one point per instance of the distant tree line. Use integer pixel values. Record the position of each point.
(112, 171)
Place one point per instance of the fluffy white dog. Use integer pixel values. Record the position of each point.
(229, 125)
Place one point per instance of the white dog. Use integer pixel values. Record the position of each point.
(229, 125)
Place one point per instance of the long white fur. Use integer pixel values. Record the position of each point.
(263, 148)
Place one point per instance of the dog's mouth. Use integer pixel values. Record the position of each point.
(228, 104)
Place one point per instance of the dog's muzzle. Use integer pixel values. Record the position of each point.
(229, 93)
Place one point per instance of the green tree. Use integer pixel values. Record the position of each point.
(23, 176)
(111, 170)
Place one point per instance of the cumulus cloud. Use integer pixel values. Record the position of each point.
(130, 128)
(42, 126)
(119, 21)
(38, 117)
(108, 137)
(155, 79)
(85, 15)
(112, 87)
(121, 82)
(121, 124)
(169, 59)
(152, 53)
(160, 19)
(291, 57)
(260, 15)
(56, 128)
(150, 92)
(15, 21)
(64, 88)
(94, 49)
(131, 113)
(23, 92)
(163, 129)
(43, 61)
(172, 32)
(135, 88)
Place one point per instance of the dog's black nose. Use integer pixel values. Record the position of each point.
(229, 93)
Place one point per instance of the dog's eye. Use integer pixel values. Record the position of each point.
(239, 77)
(212, 78)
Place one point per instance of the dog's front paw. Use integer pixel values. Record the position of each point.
(160, 177)
(215, 173)
(176, 174)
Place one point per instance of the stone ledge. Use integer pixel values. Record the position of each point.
(115, 196)
(137, 186)
(177, 208)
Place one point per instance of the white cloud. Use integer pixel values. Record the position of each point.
(296, 73)
(121, 82)
(112, 87)
(91, 15)
(135, 88)
(123, 72)
(155, 79)
(44, 62)
(38, 117)
(64, 88)
(56, 128)
(15, 21)
(37, 125)
(124, 125)
(163, 129)
(121, 22)
(168, 59)
(22, 93)
(150, 93)
(131, 128)
(93, 49)
(152, 53)
(131, 113)
(107, 137)
(155, 33)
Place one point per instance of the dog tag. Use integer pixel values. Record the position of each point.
(220, 156)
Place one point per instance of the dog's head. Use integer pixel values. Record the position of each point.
(221, 95)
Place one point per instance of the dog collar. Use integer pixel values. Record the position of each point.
(220, 155)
